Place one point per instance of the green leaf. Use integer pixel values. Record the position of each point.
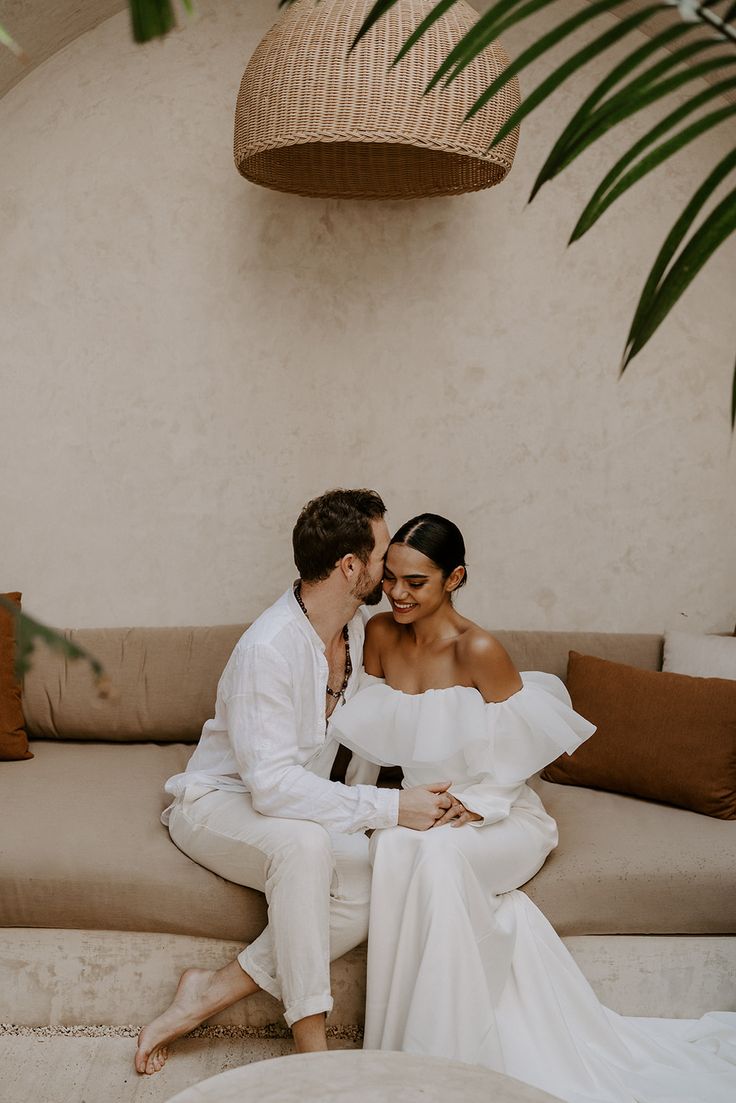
(483, 32)
(580, 119)
(379, 8)
(601, 201)
(641, 145)
(546, 42)
(436, 13)
(676, 235)
(730, 14)
(28, 631)
(12, 45)
(624, 104)
(151, 19)
(719, 225)
(648, 79)
(577, 61)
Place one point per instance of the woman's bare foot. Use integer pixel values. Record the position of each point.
(199, 994)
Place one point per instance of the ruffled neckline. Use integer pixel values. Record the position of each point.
(509, 739)
(372, 679)
(367, 680)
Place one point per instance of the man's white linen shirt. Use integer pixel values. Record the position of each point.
(268, 734)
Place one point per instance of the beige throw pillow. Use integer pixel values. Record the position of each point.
(700, 656)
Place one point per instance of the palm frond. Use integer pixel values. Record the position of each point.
(436, 13)
(484, 31)
(28, 631)
(608, 190)
(546, 42)
(10, 43)
(378, 10)
(632, 99)
(617, 74)
(714, 231)
(577, 61)
(676, 235)
(154, 18)
(151, 18)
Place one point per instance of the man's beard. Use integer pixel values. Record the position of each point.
(374, 597)
(367, 597)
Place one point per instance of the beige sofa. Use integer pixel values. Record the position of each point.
(100, 911)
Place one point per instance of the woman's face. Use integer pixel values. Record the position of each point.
(412, 583)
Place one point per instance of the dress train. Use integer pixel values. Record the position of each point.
(461, 963)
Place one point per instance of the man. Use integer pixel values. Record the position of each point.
(256, 804)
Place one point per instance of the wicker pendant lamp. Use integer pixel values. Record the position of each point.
(314, 119)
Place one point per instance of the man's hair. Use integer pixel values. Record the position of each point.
(337, 523)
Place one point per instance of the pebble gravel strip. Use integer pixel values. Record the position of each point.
(349, 1033)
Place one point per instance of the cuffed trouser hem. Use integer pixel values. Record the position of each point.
(310, 1005)
(263, 980)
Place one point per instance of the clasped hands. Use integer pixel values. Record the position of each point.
(426, 806)
(455, 812)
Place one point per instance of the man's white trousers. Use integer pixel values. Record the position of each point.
(316, 882)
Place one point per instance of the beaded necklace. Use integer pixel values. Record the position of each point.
(337, 694)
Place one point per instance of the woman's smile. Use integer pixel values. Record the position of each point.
(403, 606)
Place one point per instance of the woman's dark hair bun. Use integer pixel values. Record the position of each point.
(437, 538)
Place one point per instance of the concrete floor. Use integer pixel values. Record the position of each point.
(44, 1067)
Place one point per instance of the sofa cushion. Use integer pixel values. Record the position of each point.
(13, 738)
(630, 866)
(666, 737)
(87, 851)
(164, 684)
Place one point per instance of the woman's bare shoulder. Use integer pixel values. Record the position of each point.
(379, 632)
(475, 642)
(380, 626)
(488, 664)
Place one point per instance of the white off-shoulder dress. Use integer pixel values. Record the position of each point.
(461, 964)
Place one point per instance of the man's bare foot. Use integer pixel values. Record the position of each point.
(182, 1015)
(199, 994)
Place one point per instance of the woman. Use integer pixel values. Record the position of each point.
(460, 963)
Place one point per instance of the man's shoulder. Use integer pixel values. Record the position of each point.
(274, 629)
(269, 643)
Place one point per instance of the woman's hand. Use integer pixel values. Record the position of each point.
(457, 814)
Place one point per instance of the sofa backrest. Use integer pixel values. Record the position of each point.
(540, 650)
(164, 684)
(165, 679)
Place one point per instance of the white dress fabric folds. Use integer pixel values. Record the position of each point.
(461, 964)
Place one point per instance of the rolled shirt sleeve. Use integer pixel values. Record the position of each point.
(267, 742)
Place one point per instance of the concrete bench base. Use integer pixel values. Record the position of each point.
(71, 977)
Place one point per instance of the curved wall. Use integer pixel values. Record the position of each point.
(187, 358)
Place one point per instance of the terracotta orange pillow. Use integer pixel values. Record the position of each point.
(661, 736)
(13, 738)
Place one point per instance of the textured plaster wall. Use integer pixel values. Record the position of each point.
(186, 358)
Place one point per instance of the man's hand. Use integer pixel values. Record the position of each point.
(457, 814)
(422, 806)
